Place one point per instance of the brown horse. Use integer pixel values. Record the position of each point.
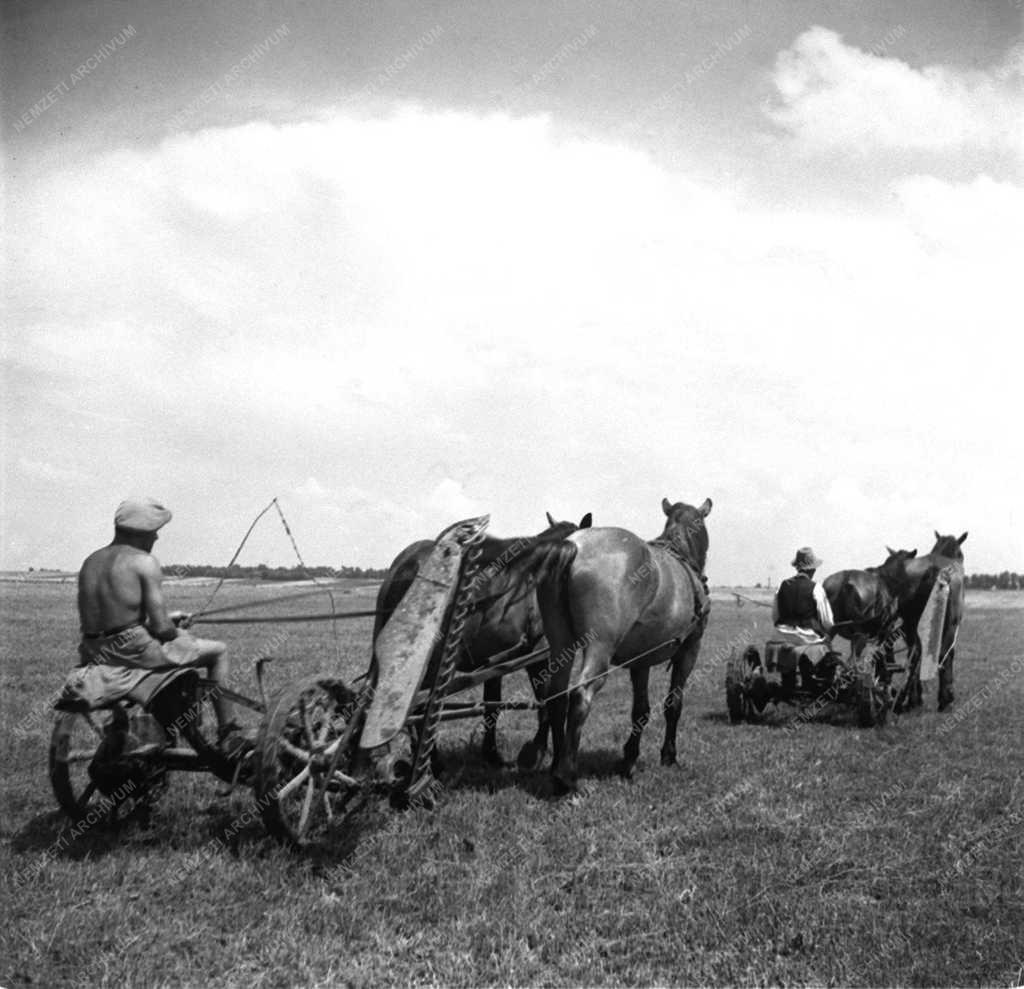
(504, 619)
(913, 580)
(863, 603)
(618, 598)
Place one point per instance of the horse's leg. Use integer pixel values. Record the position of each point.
(556, 706)
(492, 694)
(911, 688)
(550, 680)
(597, 658)
(946, 672)
(531, 755)
(682, 664)
(914, 692)
(640, 714)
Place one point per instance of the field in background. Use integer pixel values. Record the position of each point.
(824, 854)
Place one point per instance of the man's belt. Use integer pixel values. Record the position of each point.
(107, 633)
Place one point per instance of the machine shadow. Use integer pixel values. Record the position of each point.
(788, 716)
(466, 769)
(57, 837)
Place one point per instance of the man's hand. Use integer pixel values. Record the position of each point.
(181, 619)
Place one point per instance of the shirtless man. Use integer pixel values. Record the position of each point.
(126, 628)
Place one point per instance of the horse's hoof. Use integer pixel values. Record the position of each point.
(668, 759)
(493, 758)
(531, 758)
(563, 784)
(626, 768)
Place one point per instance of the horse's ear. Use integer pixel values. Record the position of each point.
(891, 551)
(960, 541)
(705, 509)
(666, 506)
(937, 536)
(911, 554)
(587, 521)
(551, 521)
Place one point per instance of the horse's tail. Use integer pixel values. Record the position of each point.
(847, 601)
(552, 575)
(851, 602)
(552, 566)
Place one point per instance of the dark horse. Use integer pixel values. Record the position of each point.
(618, 598)
(863, 602)
(504, 621)
(913, 580)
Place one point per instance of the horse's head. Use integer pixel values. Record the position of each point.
(893, 572)
(685, 531)
(949, 546)
(559, 530)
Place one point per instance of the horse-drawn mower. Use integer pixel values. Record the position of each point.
(322, 747)
(869, 680)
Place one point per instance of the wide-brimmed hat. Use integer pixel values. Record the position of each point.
(141, 515)
(805, 559)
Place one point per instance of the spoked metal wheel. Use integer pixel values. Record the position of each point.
(735, 697)
(305, 777)
(102, 794)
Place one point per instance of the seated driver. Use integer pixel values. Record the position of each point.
(801, 611)
(126, 629)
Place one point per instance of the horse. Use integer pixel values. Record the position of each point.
(504, 619)
(913, 580)
(624, 602)
(864, 605)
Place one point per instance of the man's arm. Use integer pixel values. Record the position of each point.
(157, 620)
(824, 608)
(775, 609)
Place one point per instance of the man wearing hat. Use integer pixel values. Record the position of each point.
(802, 613)
(127, 631)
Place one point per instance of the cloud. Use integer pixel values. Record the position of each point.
(451, 502)
(833, 96)
(982, 219)
(40, 470)
(339, 305)
(312, 488)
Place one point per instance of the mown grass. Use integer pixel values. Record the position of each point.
(824, 855)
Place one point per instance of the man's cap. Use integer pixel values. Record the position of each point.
(805, 559)
(141, 515)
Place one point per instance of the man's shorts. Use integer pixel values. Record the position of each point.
(130, 664)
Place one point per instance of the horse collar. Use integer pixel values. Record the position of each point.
(699, 580)
(677, 552)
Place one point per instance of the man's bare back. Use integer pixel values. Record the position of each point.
(126, 629)
(119, 585)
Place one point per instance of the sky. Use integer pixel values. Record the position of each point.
(397, 264)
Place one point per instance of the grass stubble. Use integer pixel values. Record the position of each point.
(820, 855)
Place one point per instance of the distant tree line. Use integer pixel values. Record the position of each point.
(263, 572)
(1005, 581)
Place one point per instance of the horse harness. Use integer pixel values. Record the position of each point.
(698, 582)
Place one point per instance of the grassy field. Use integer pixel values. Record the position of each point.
(821, 855)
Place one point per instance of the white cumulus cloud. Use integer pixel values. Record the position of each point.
(335, 307)
(834, 96)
